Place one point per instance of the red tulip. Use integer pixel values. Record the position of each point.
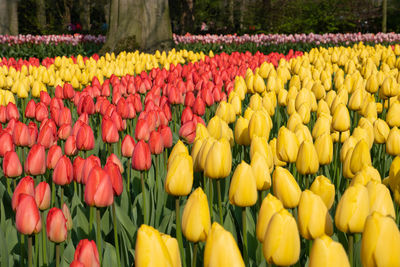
(187, 115)
(46, 136)
(142, 130)
(63, 172)
(98, 189)
(199, 107)
(141, 157)
(114, 173)
(33, 132)
(12, 111)
(25, 186)
(56, 225)
(27, 218)
(76, 263)
(64, 116)
(43, 195)
(41, 111)
(189, 99)
(77, 168)
(156, 143)
(30, 109)
(35, 163)
(166, 135)
(89, 164)
(85, 105)
(86, 252)
(113, 158)
(58, 92)
(45, 98)
(3, 114)
(188, 131)
(85, 138)
(21, 136)
(127, 146)
(67, 216)
(53, 155)
(11, 165)
(109, 131)
(68, 91)
(64, 131)
(6, 143)
(70, 146)
(137, 103)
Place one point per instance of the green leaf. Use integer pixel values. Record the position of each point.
(126, 223)
(68, 255)
(110, 255)
(3, 249)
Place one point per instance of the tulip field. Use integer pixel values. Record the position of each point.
(185, 158)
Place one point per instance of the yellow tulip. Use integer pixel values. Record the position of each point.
(324, 188)
(392, 117)
(321, 126)
(341, 119)
(219, 160)
(179, 178)
(259, 85)
(380, 242)
(260, 145)
(353, 209)
(324, 147)
(173, 249)
(285, 187)
(197, 144)
(381, 131)
(255, 102)
(236, 103)
(307, 158)
(368, 173)
(259, 125)
(313, 217)
(214, 127)
(242, 132)
(360, 157)
(201, 131)
(261, 171)
(281, 245)
(393, 142)
(226, 112)
(277, 161)
(178, 148)
(287, 145)
(328, 253)
(243, 187)
(269, 206)
(150, 249)
(293, 121)
(203, 152)
(196, 221)
(221, 249)
(380, 199)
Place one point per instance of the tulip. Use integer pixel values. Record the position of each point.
(261, 172)
(196, 221)
(156, 143)
(6, 143)
(85, 138)
(324, 188)
(21, 135)
(242, 132)
(166, 135)
(218, 163)
(114, 173)
(30, 109)
(287, 145)
(281, 245)
(127, 146)
(70, 148)
(380, 199)
(243, 187)
(109, 131)
(35, 163)
(221, 248)
(87, 254)
(11, 165)
(324, 147)
(141, 157)
(326, 252)
(179, 178)
(63, 171)
(341, 118)
(43, 195)
(260, 145)
(285, 187)
(27, 218)
(307, 159)
(56, 226)
(352, 210)
(77, 167)
(98, 188)
(360, 157)
(269, 206)
(381, 131)
(150, 249)
(142, 131)
(380, 241)
(67, 216)
(53, 155)
(259, 125)
(173, 249)
(188, 131)
(393, 142)
(392, 117)
(313, 217)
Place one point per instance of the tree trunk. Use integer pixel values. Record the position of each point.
(384, 15)
(142, 23)
(9, 17)
(67, 13)
(231, 22)
(84, 14)
(41, 15)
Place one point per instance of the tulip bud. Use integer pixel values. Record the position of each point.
(86, 253)
(150, 249)
(156, 143)
(341, 119)
(63, 172)
(307, 159)
(392, 117)
(178, 148)
(261, 146)
(323, 187)
(329, 253)
(381, 131)
(218, 163)
(67, 216)
(114, 173)
(360, 157)
(380, 199)
(277, 161)
(269, 206)
(324, 147)
(281, 245)
(56, 226)
(179, 178)
(11, 165)
(261, 172)
(287, 145)
(393, 142)
(173, 249)
(352, 210)
(242, 132)
(313, 217)
(42, 195)
(196, 221)
(141, 157)
(285, 187)
(35, 163)
(221, 249)
(243, 187)
(27, 217)
(98, 188)
(109, 131)
(259, 125)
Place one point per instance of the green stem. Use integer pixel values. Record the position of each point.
(129, 177)
(98, 238)
(22, 247)
(9, 187)
(37, 236)
(194, 259)
(30, 251)
(144, 198)
(44, 242)
(116, 235)
(53, 193)
(244, 224)
(62, 197)
(350, 249)
(219, 202)
(179, 230)
(90, 219)
(57, 255)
